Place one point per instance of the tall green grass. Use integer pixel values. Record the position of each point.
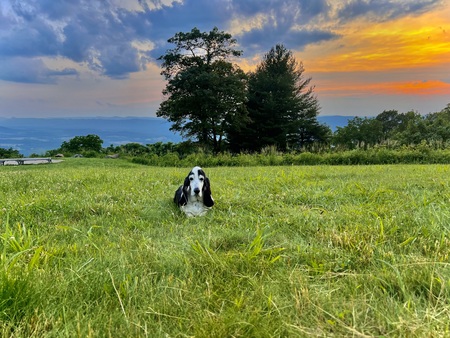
(95, 248)
(420, 154)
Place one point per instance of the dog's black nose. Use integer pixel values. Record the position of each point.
(196, 191)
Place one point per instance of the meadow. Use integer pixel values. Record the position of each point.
(96, 248)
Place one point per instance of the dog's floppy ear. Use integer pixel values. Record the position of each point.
(207, 197)
(184, 192)
(186, 185)
(180, 197)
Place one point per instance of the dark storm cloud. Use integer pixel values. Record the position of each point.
(120, 60)
(287, 22)
(382, 10)
(261, 40)
(84, 31)
(103, 38)
(166, 21)
(35, 38)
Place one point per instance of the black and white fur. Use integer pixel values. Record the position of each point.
(194, 196)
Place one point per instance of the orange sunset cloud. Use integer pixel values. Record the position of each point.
(404, 60)
(406, 43)
(425, 88)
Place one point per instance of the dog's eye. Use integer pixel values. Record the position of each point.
(201, 179)
(191, 178)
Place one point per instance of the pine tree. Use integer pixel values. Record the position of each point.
(281, 105)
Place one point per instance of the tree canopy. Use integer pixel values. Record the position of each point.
(205, 93)
(9, 153)
(394, 128)
(83, 143)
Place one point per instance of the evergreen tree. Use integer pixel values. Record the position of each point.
(281, 105)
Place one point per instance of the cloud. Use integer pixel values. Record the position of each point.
(103, 39)
(87, 32)
(115, 38)
(287, 8)
(412, 88)
(261, 40)
(281, 20)
(101, 34)
(292, 23)
(383, 10)
(32, 70)
(167, 20)
(28, 38)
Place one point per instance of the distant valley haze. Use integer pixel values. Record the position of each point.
(38, 135)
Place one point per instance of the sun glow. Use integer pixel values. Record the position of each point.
(415, 88)
(369, 59)
(407, 43)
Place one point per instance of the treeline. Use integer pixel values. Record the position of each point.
(187, 153)
(10, 153)
(92, 146)
(388, 138)
(392, 129)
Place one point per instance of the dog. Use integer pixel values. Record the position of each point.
(194, 196)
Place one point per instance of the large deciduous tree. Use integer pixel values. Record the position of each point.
(205, 92)
(390, 122)
(281, 105)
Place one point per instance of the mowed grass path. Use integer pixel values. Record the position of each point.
(96, 248)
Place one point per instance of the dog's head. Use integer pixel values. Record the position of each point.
(196, 184)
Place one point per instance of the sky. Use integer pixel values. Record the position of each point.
(80, 58)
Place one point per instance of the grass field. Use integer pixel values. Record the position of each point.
(95, 248)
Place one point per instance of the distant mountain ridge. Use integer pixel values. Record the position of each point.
(37, 135)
